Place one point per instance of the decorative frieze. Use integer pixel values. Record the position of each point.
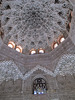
(9, 70)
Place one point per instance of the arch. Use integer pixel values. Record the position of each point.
(37, 76)
(39, 86)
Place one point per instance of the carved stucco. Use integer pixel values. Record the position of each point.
(9, 70)
(34, 23)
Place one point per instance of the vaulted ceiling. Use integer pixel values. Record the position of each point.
(35, 23)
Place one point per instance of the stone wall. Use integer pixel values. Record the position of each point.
(59, 88)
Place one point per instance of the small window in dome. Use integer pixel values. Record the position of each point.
(54, 45)
(11, 44)
(19, 49)
(61, 39)
(39, 86)
(32, 51)
(41, 51)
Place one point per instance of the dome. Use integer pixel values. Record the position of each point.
(35, 23)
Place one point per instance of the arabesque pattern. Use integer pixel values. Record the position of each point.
(34, 23)
(9, 70)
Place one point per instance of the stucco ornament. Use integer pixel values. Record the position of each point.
(34, 23)
(9, 70)
(66, 65)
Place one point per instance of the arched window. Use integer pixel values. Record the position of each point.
(39, 86)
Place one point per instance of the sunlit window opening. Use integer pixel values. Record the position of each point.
(39, 86)
(19, 49)
(32, 51)
(11, 44)
(41, 51)
(61, 39)
(54, 45)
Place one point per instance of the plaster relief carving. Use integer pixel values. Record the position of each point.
(9, 70)
(33, 23)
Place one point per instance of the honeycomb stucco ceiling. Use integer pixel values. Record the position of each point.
(34, 23)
